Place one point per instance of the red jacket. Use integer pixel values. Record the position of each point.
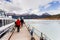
(18, 22)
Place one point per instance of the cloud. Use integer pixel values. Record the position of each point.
(54, 5)
(54, 12)
(20, 6)
(8, 0)
(29, 4)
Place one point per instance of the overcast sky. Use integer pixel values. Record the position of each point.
(31, 6)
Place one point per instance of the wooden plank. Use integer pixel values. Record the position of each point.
(22, 35)
(5, 37)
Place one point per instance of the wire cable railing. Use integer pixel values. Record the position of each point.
(38, 33)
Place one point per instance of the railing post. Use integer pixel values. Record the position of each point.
(32, 30)
(41, 38)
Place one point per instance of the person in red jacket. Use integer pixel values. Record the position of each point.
(18, 23)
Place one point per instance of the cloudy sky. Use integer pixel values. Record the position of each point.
(31, 6)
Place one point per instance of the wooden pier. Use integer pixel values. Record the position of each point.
(22, 35)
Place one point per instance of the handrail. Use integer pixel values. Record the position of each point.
(5, 28)
(11, 34)
(43, 34)
(40, 32)
(9, 27)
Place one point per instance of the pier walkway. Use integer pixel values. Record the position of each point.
(22, 35)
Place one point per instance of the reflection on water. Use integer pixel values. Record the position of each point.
(49, 27)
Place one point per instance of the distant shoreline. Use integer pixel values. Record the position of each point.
(49, 19)
(46, 19)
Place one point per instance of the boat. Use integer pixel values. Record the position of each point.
(5, 23)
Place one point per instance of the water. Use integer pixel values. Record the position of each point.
(51, 28)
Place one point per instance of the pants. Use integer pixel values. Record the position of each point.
(18, 28)
(22, 24)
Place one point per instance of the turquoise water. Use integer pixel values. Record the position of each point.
(51, 28)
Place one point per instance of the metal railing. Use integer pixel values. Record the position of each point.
(38, 33)
(7, 28)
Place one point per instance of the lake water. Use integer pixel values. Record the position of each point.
(51, 28)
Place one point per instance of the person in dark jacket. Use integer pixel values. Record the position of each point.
(22, 21)
(18, 23)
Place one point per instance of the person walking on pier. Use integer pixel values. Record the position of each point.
(22, 21)
(18, 23)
